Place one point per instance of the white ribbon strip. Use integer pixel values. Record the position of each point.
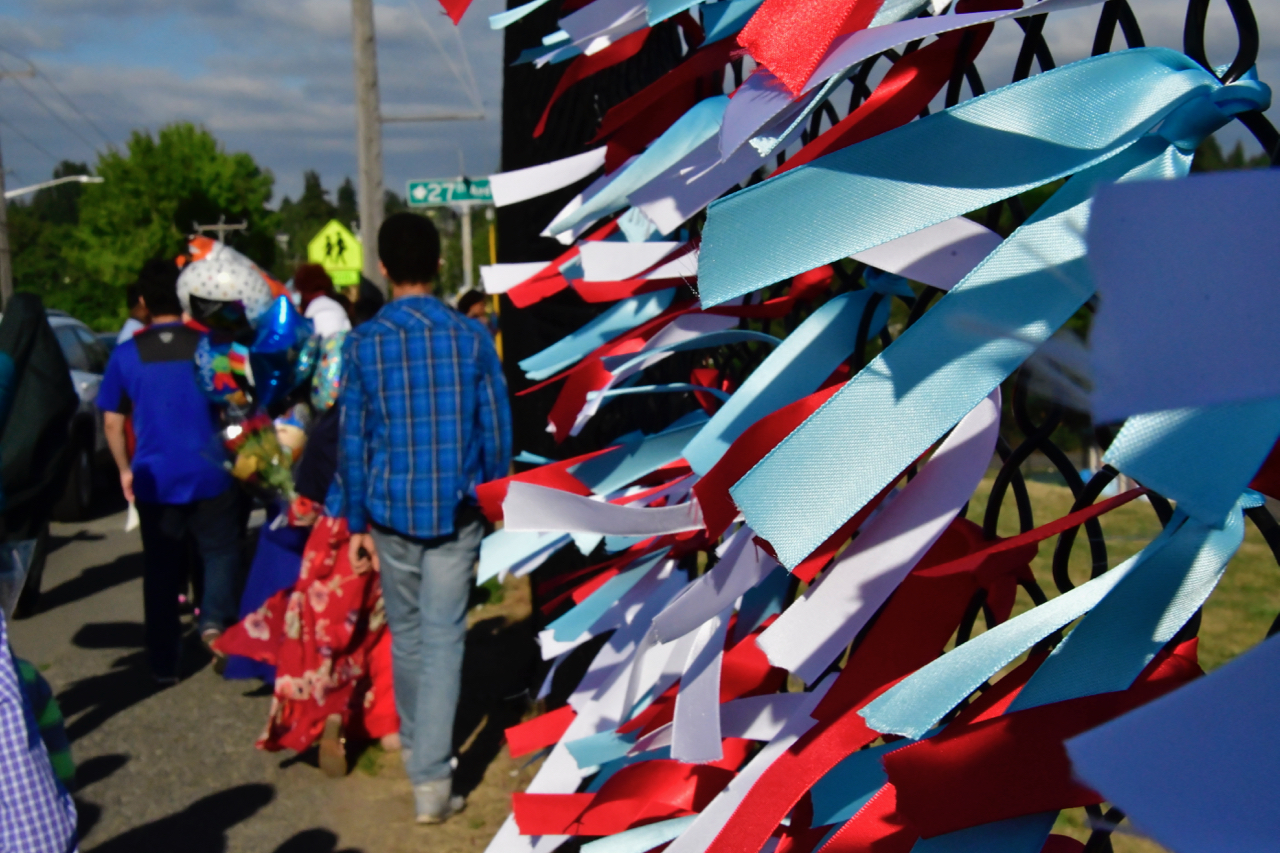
(523, 184)
(814, 630)
(499, 278)
(610, 260)
(742, 565)
(695, 729)
(940, 255)
(529, 507)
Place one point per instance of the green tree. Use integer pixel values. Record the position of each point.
(39, 230)
(153, 193)
(301, 219)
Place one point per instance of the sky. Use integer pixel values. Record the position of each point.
(274, 78)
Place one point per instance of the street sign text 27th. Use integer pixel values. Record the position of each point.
(445, 191)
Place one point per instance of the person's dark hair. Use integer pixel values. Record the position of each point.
(158, 285)
(409, 248)
(131, 294)
(468, 300)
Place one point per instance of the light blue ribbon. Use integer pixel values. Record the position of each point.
(762, 601)
(641, 838)
(727, 18)
(998, 145)
(1109, 649)
(571, 625)
(502, 20)
(849, 785)
(939, 369)
(793, 370)
(569, 350)
(506, 550)
(696, 126)
(1203, 457)
(637, 456)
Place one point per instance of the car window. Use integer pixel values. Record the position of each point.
(71, 348)
(94, 349)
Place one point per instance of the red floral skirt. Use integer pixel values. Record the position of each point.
(328, 640)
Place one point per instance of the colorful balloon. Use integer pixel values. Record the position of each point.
(327, 380)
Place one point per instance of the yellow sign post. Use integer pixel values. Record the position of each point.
(337, 250)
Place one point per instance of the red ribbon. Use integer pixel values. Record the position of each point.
(455, 9)
(584, 66)
(554, 475)
(540, 732)
(790, 37)
(548, 281)
(634, 123)
(908, 87)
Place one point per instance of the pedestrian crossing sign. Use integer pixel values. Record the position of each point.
(337, 250)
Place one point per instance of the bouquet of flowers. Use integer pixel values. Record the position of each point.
(259, 457)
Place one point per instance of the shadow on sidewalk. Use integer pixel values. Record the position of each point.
(500, 656)
(201, 827)
(92, 581)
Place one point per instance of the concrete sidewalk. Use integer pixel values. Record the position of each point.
(176, 769)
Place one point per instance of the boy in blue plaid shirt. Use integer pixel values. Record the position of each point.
(425, 419)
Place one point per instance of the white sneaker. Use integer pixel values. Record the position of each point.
(436, 802)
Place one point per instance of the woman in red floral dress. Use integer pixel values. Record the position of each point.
(328, 639)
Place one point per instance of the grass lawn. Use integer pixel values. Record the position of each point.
(1236, 616)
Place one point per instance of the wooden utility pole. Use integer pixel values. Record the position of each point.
(6, 259)
(368, 136)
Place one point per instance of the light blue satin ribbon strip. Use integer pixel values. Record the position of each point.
(699, 124)
(502, 20)
(641, 838)
(1111, 646)
(978, 334)
(703, 341)
(506, 551)
(1203, 458)
(727, 18)
(1018, 835)
(571, 625)
(1121, 635)
(639, 455)
(659, 10)
(597, 749)
(917, 704)
(793, 370)
(569, 350)
(609, 768)
(998, 145)
(848, 786)
(671, 388)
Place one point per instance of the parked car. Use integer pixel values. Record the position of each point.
(87, 357)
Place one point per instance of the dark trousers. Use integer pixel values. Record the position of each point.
(214, 526)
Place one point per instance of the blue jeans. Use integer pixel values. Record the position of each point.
(214, 524)
(426, 584)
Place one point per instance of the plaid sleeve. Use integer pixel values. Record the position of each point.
(494, 414)
(353, 443)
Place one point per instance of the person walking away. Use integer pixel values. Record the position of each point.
(37, 406)
(321, 303)
(425, 419)
(176, 476)
(138, 317)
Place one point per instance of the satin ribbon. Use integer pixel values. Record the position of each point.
(572, 348)
(792, 370)
(790, 37)
(970, 342)
(1201, 457)
(584, 66)
(700, 123)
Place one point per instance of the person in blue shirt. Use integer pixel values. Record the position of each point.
(177, 476)
(425, 419)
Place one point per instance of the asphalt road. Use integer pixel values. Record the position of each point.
(176, 770)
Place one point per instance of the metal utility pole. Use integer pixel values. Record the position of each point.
(466, 246)
(368, 136)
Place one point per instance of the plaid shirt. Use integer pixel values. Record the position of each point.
(425, 417)
(36, 812)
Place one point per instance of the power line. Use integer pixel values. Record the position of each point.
(55, 115)
(469, 88)
(29, 140)
(61, 94)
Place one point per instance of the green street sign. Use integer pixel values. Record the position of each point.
(337, 250)
(445, 191)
